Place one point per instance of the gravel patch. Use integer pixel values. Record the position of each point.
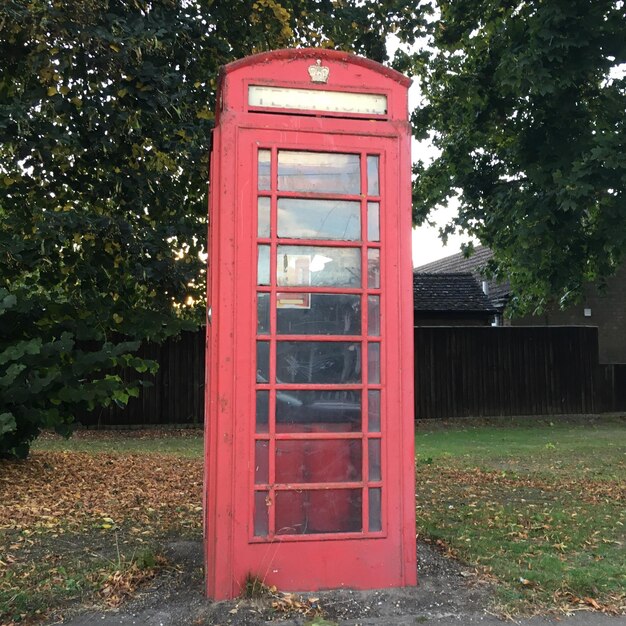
(447, 594)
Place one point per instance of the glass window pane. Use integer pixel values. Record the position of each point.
(319, 172)
(321, 461)
(373, 410)
(263, 266)
(318, 511)
(335, 510)
(373, 221)
(262, 361)
(261, 463)
(261, 514)
(373, 454)
(373, 363)
(304, 266)
(289, 463)
(263, 313)
(290, 512)
(264, 170)
(319, 219)
(262, 411)
(373, 268)
(316, 100)
(373, 316)
(372, 176)
(318, 362)
(318, 411)
(375, 512)
(318, 314)
(263, 225)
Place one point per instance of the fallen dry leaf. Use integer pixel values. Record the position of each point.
(68, 490)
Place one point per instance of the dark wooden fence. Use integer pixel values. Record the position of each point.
(176, 392)
(485, 371)
(459, 372)
(611, 387)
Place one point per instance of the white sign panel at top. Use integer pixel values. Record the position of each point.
(317, 100)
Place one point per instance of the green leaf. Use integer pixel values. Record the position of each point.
(7, 423)
(7, 302)
(12, 372)
(20, 349)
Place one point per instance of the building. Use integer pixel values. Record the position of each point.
(450, 299)
(604, 308)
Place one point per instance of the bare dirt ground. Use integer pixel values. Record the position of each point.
(448, 594)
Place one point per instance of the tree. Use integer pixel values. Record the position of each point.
(106, 110)
(525, 102)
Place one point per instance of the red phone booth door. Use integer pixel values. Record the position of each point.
(325, 500)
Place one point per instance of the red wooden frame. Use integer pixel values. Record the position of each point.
(364, 559)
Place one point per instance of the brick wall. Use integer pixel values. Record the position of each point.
(608, 313)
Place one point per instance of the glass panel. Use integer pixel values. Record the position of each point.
(263, 313)
(319, 172)
(372, 176)
(318, 314)
(316, 100)
(318, 411)
(290, 462)
(262, 411)
(375, 513)
(373, 268)
(290, 512)
(373, 316)
(263, 225)
(264, 170)
(321, 461)
(373, 221)
(304, 266)
(261, 514)
(373, 410)
(318, 362)
(261, 463)
(318, 511)
(262, 361)
(263, 266)
(319, 219)
(373, 453)
(373, 363)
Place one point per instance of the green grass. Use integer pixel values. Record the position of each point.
(50, 576)
(597, 449)
(123, 442)
(70, 582)
(541, 508)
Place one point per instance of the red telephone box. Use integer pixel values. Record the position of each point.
(309, 432)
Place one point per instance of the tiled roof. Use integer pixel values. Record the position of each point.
(476, 263)
(449, 293)
(458, 262)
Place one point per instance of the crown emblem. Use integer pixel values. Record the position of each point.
(318, 72)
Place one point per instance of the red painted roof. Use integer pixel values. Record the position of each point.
(317, 53)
